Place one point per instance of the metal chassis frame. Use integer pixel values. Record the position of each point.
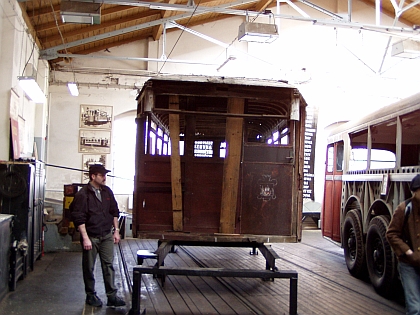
(168, 246)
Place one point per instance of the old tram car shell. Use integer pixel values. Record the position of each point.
(219, 159)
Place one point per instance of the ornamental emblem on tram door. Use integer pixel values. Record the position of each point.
(266, 185)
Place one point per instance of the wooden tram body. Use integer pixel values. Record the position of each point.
(227, 184)
(219, 162)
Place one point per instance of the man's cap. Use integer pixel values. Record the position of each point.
(415, 183)
(98, 169)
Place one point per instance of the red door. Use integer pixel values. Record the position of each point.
(331, 207)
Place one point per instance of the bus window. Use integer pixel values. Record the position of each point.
(330, 159)
(380, 159)
(340, 157)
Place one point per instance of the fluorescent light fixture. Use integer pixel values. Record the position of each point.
(78, 19)
(32, 89)
(406, 49)
(73, 88)
(257, 32)
(80, 12)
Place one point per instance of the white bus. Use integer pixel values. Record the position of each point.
(370, 163)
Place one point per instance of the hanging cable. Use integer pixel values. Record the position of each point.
(179, 37)
(63, 41)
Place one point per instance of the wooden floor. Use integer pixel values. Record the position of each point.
(324, 284)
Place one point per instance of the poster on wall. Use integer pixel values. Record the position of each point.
(95, 116)
(88, 160)
(94, 141)
(14, 128)
(15, 107)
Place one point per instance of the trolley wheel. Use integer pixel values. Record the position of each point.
(381, 262)
(354, 251)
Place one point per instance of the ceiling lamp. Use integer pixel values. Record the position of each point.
(80, 12)
(406, 49)
(32, 89)
(74, 91)
(257, 32)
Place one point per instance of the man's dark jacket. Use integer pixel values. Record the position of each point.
(404, 233)
(97, 216)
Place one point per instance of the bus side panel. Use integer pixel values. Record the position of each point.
(327, 209)
(202, 195)
(267, 205)
(336, 235)
(331, 208)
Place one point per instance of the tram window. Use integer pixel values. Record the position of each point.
(159, 146)
(276, 137)
(181, 147)
(284, 137)
(152, 143)
(222, 153)
(279, 138)
(203, 148)
(153, 125)
(330, 159)
(145, 138)
(380, 159)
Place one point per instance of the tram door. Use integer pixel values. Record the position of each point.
(332, 191)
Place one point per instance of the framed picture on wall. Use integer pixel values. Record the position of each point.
(88, 160)
(94, 141)
(95, 116)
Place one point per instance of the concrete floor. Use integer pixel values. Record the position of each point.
(56, 284)
(56, 287)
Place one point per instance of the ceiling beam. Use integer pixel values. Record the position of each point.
(158, 29)
(51, 53)
(93, 28)
(52, 25)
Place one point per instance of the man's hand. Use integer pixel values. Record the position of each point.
(87, 244)
(117, 236)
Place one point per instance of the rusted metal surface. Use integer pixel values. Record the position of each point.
(266, 199)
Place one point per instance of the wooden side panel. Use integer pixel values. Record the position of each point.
(154, 195)
(175, 165)
(267, 205)
(203, 195)
(155, 210)
(234, 131)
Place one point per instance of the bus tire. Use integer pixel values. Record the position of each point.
(380, 259)
(354, 251)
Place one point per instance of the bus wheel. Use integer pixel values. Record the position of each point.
(354, 251)
(379, 256)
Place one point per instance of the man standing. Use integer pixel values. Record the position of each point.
(95, 212)
(403, 236)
